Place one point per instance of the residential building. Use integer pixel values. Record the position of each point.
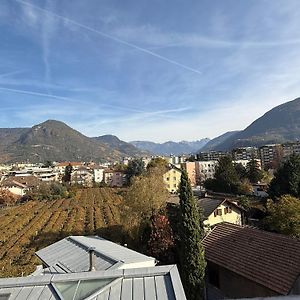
(245, 262)
(205, 170)
(20, 185)
(14, 187)
(190, 168)
(211, 155)
(114, 178)
(82, 176)
(270, 155)
(176, 160)
(60, 167)
(290, 148)
(98, 173)
(172, 178)
(216, 211)
(244, 153)
(45, 174)
(244, 162)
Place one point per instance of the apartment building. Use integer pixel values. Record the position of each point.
(205, 170)
(244, 153)
(172, 178)
(271, 155)
(290, 148)
(211, 155)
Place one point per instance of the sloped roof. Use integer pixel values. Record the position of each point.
(71, 254)
(8, 183)
(25, 181)
(269, 259)
(210, 204)
(157, 283)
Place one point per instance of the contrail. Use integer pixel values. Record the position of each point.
(113, 38)
(26, 92)
(11, 73)
(71, 100)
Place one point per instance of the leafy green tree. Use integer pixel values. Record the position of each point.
(286, 179)
(226, 179)
(253, 172)
(284, 216)
(68, 173)
(192, 260)
(244, 202)
(136, 167)
(240, 170)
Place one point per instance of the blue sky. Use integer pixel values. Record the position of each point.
(147, 70)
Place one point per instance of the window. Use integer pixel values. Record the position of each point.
(174, 178)
(174, 185)
(227, 210)
(218, 212)
(168, 178)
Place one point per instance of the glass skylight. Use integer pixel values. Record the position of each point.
(81, 289)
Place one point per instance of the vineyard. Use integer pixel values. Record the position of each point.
(36, 224)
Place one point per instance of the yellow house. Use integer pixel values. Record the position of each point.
(172, 178)
(217, 211)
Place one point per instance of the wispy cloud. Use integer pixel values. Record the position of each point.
(48, 27)
(113, 38)
(94, 66)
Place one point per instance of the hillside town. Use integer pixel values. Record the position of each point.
(21, 177)
(233, 222)
(149, 150)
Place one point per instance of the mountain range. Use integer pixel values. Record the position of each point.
(279, 125)
(167, 148)
(56, 141)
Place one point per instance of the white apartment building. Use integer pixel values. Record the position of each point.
(98, 173)
(244, 162)
(205, 169)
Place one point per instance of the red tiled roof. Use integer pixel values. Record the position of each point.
(270, 259)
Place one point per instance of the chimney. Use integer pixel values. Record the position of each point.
(92, 259)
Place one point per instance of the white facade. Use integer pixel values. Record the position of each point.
(16, 189)
(244, 162)
(205, 169)
(98, 174)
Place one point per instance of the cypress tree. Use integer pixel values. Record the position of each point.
(192, 260)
